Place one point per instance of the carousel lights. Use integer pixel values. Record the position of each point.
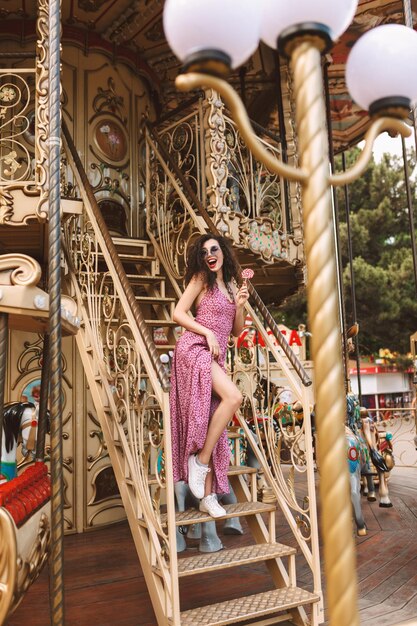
(212, 36)
(390, 52)
(220, 35)
(283, 21)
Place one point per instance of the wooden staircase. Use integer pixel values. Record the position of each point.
(157, 297)
(126, 290)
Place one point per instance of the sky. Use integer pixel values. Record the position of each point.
(385, 143)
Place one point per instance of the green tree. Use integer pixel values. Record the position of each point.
(382, 259)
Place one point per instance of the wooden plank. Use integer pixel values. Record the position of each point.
(104, 584)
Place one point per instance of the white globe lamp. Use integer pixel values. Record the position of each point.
(212, 36)
(284, 20)
(381, 70)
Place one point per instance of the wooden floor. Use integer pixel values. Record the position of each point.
(104, 585)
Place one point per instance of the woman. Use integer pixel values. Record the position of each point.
(203, 399)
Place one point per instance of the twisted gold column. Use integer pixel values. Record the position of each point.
(56, 559)
(339, 549)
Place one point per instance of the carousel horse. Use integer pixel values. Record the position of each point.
(381, 453)
(358, 457)
(20, 423)
(362, 449)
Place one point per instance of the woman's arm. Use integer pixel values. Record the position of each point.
(194, 288)
(184, 304)
(241, 297)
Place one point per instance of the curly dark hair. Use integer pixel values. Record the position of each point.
(197, 265)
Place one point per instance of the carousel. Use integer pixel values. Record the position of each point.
(128, 129)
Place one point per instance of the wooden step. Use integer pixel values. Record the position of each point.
(232, 558)
(155, 299)
(237, 470)
(192, 516)
(135, 259)
(142, 279)
(234, 470)
(248, 607)
(131, 242)
(162, 323)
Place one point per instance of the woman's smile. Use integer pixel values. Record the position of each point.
(212, 255)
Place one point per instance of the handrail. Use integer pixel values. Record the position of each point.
(269, 320)
(136, 311)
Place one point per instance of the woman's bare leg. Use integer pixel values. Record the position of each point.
(230, 401)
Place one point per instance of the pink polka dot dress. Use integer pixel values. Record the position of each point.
(192, 402)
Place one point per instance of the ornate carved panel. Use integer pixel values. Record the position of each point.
(103, 106)
(102, 504)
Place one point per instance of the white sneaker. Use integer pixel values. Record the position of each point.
(197, 477)
(210, 505)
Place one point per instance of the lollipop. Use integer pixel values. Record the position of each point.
(247, 274)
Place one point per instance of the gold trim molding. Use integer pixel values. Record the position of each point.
(23, 553)
(19, 269)
(8, 562)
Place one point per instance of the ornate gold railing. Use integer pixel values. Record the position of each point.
(402, 424)
(242, 196)
(129, 388)
(259, 363)
(23, 140)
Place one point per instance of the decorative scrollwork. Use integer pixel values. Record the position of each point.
(272, 421)
(15, 100)
(169, 217)
(30, 568)
(108, 100)
(182, 142)
(8, 563)
(22, 269)
(6, 206)
(137, 411)
(42, 109)
(243, 198)
(107, 186)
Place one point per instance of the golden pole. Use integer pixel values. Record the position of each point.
(339, 548)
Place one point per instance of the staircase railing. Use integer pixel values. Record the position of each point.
(242, 197)
(175, 216)
(173, 222)
(129, 389)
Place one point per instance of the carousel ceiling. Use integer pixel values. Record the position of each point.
(135, 27)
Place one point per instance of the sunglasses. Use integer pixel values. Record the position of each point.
(212, 252)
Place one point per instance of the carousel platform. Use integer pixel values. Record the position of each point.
(105, 586)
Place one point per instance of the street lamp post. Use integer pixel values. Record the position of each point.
(206, 37)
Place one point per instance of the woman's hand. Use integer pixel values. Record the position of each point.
(242, 295)
(213, 344)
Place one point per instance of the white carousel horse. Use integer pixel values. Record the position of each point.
(363, 446)
(20, 424)
(384, 462)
